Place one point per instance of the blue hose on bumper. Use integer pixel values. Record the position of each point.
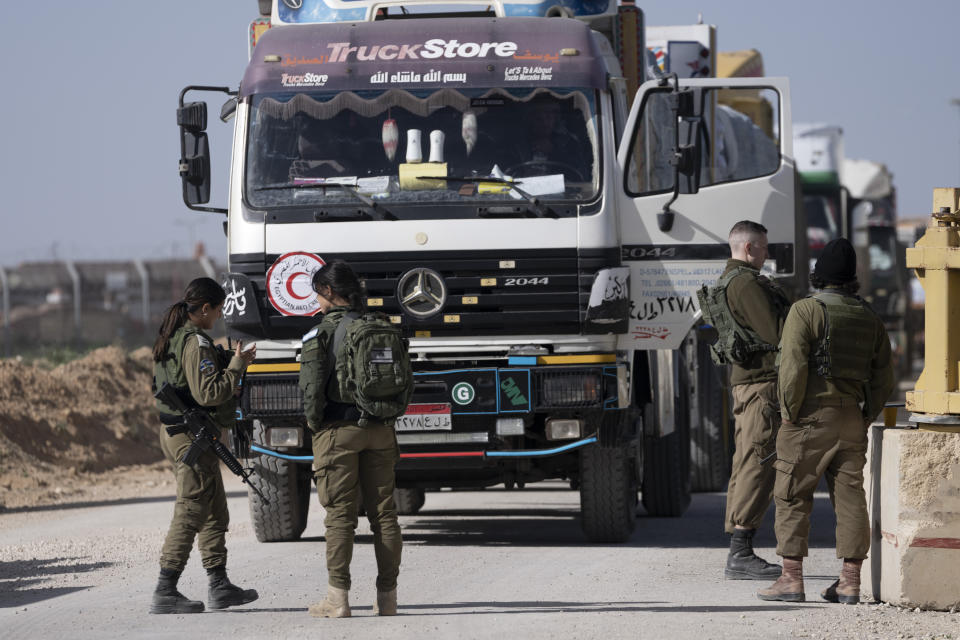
(538, 453)
(276, 454)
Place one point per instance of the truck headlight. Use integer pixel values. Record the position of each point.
(283, 437)
(563, 429)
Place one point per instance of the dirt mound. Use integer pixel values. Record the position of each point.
(86, 416)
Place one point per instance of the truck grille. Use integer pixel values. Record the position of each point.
(525, 292)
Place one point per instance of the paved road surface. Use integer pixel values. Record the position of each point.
(488, 564)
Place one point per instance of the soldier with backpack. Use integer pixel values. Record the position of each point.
(748, 311)
(356, 380)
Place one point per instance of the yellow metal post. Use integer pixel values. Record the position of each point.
(936, 258)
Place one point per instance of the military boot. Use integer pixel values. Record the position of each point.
(335, 605)
(223, 593)
(166, 598)
(743, 563)
(386, 604)
(789, 586)
(847, 589)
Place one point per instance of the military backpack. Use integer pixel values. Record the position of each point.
(735, 343)
(372, 366)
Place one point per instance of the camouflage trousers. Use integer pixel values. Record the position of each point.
(200, 511)
(756, 412)
(829, 439)
(350, 461)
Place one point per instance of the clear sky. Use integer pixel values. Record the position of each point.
(90, 143)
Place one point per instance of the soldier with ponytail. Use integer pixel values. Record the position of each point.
(204, 376)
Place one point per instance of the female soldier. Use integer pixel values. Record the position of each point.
(185, 357)
(348, 457)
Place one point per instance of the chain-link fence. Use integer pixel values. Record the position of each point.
(79, 304)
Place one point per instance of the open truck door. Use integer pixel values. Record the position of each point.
(728, 141)
(697, 156)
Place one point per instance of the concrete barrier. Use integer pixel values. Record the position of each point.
(912, 479)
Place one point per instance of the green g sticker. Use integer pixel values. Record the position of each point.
(463, 393)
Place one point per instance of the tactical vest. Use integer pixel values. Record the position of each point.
(170, 370)
(735, 343)
(846, 349)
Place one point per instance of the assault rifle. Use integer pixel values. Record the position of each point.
(205, 434)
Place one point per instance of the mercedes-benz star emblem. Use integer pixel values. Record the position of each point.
(421, 292)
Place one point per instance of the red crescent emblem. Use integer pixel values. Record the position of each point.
(280, 285)
(290, 285)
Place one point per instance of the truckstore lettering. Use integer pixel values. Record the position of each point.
(429, 50)
(304, 80)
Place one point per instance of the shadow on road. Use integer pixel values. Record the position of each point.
(498, 608)
(103, 503)
(9, 599)
(701, 526)
(17, 574)
(20, 569)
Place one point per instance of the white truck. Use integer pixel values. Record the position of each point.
(535, 231)
(819, 151)
(856, 199)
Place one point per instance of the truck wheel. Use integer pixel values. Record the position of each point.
(608, 493)
(710, 422)
(287, 486)
(409, 501)
(665, 491)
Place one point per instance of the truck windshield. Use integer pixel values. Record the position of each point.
(385, 144)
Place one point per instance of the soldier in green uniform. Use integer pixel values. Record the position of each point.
(835, 376)
(205, 376)
(349, 460)
(759, 306)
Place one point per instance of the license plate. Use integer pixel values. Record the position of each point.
(426, 417)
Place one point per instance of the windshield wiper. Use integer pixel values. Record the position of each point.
(539, 208)
(379, 211)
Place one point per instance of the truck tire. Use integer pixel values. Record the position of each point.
(409, 501)
(710, 423)
(608, 493)
(287, 486)
(666, 487)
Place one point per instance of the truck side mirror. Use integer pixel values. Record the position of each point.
(194, 153)
(193, 116)
(195, 167)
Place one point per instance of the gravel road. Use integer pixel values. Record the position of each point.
(488, 564)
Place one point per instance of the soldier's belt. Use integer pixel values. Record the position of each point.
(818, 403)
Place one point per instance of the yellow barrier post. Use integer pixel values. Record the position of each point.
(936, 397)
(913, 474)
